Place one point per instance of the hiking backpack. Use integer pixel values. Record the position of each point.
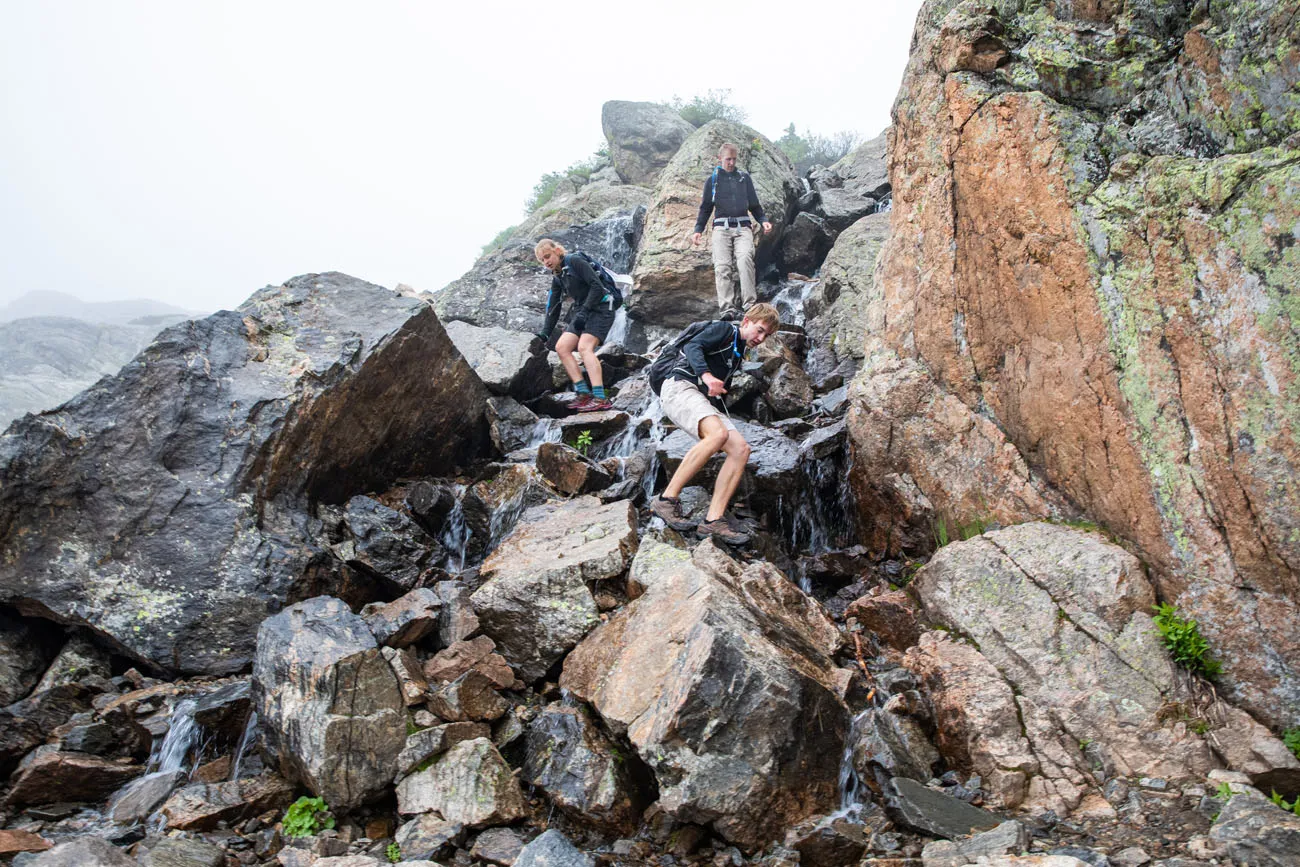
(601, 271)
(667, 360)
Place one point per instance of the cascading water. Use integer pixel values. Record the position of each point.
(545, 431)
(456, 533)
(503, 519)
(851, 789)
(244, 740)
(618, 331)
(182, 734)
(790, 299)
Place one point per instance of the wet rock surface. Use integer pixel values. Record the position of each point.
(331, 706)
(173, 500)
(485, 653)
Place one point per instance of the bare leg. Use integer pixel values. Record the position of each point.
(587, 345)
(564, 348)
(729, 476)
(713, 436)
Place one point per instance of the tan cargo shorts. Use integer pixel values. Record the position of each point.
(683, 403)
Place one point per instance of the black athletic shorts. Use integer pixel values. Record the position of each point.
(594, 322)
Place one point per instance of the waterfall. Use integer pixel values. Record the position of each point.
(503, 519)
(618, 331)
(850, 785)
(182, 733)
(456, 533)
(789, 300)
(545, 431)
(244, 740)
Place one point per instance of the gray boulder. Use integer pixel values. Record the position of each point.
(509, 362)
(163, 507)
(552, 849)
(1063, 617)
(428, 837)
(643, 137)
(836, 309)
(470, 784)
(407, 620)
(385, 544)
(1251, 830)
(926, 811)
(806, 243)
(1009, 838)
(331, 708)
(204, 806)
(720, 676)
(176, 852)
(581, 770)
(864, 171)
(675, 280)
(83, 852)
(535, 602)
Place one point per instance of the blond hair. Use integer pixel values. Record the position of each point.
(764, 314)
(545, 245)
(728, 146)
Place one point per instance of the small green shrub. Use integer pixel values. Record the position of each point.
(394, 853)
(499, 241)
(1183, 640)
(579, 172)
(1291, 806)
(714, 105)
(301, 819)
(1291, 737)
(583, 442)
(1224, 792)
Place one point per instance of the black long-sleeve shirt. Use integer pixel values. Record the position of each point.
(728, 194)
(579, 281)
(717, 349)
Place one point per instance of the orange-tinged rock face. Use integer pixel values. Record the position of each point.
(1111, 288)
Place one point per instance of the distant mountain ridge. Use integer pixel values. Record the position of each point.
(61, 304)
(53, 345)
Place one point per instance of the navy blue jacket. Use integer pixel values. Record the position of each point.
(733, 195)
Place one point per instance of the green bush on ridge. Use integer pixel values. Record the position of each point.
(1183, 640)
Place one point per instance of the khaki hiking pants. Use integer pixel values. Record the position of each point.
(733, 250)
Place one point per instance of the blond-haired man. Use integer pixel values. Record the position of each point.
(690, 380)
(730, 197)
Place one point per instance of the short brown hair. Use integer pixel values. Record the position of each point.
(764, 314)
(728, 146)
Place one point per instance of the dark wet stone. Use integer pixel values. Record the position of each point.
(926, 811)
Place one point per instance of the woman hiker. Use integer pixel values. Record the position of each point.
(595, 298)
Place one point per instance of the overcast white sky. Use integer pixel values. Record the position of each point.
(194, 152)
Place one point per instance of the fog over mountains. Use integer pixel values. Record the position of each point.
(53, 345)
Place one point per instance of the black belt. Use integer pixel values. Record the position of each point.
(732, 222)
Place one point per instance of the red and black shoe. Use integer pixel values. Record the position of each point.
(596, 404)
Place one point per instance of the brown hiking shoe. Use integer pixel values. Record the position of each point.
(670, 510)
(724, 531)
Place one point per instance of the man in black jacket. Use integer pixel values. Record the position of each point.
(690, 394)
(730, 196)
(590, 317)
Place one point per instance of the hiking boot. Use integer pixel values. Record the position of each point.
(595, 404)
(670, 509)
(732, 314)
(581, 404)
(722, 530)
(740, 525)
